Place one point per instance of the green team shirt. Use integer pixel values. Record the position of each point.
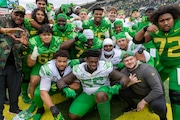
(78, 49)
(64, 35)
(141, 24)
(124, 29)
(168, 45)
(48, 55)
(144, 22)
(149, 45)
(99, 31)
(32, 30)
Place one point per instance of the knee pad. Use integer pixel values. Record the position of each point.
(174, 97)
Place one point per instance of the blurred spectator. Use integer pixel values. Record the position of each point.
(43, 4)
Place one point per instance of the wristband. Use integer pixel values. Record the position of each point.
(145, 28)
(34, 57)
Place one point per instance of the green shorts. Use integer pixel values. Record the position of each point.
(84, 102)
(35, 69)
(173, 75)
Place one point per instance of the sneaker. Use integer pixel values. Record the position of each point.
(128, 109)
(15, 111)
(3, 118)
(23, 115)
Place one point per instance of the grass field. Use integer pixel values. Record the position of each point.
(116, 106)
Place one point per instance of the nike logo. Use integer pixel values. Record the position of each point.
(176, 29)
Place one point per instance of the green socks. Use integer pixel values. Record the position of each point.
(176, 111)
(25, 97)
(104, 110)
(32, 107)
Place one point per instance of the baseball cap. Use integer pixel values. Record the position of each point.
(62, 15)
(134, 9)
(121, 12)
(19, 8)
(120, 35)
(83, 10)
(118, 22)
(127, 54)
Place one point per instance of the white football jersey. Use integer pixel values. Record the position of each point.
(49, 73)
(92, 82)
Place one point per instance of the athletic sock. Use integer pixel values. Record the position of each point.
(104, 110)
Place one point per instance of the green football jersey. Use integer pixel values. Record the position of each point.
(78, 49)
(48, 52)
(65, 35)
(124, 29)
(141, 24)
(168, 45)
(32, 30)
(101, 31)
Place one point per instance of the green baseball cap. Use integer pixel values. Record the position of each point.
(121, 12)
(127, 54)
(134, 9)
(118, 22)
(120, 35)
(62, 15)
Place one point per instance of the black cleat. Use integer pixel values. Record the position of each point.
(15, 111)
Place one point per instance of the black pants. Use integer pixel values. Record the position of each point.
(158, 105)
(10, 76)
